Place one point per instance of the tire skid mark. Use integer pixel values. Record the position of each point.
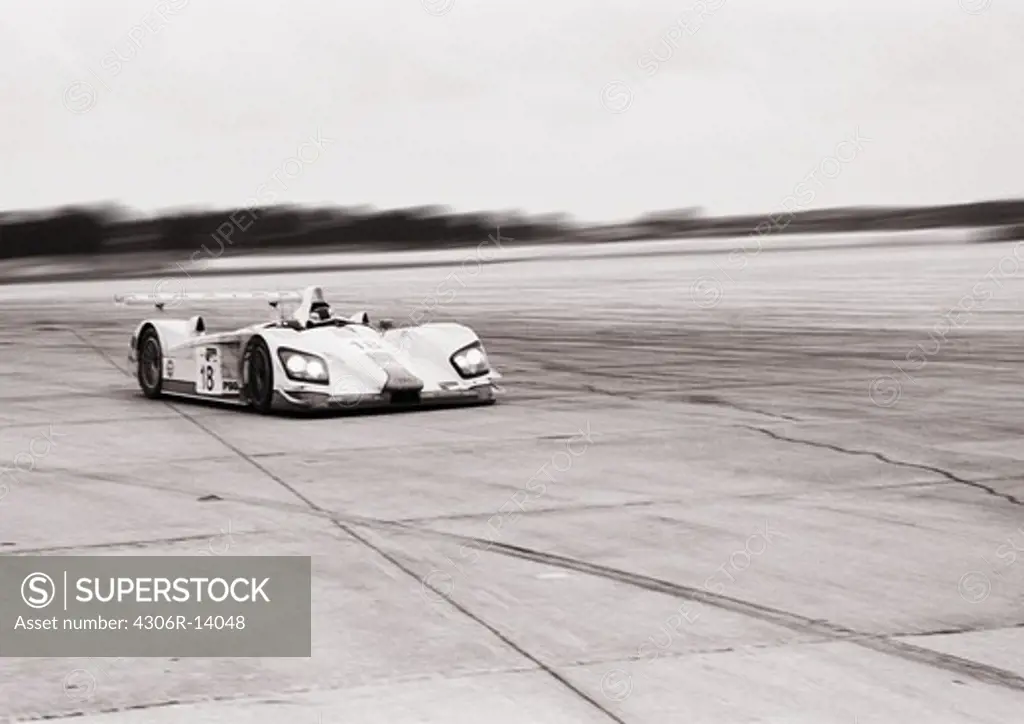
(883, 644)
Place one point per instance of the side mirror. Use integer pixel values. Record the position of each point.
(386, 324)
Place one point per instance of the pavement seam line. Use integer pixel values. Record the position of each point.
(347, 529)
(314, 506)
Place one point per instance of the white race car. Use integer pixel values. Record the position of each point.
(309, 359)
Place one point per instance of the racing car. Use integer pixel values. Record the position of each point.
(308, 359)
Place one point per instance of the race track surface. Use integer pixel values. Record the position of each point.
(732, 505)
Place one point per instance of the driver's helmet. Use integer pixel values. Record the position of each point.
(320, 312)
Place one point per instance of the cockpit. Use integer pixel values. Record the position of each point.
(314, 311)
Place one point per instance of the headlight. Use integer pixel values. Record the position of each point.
(471, 361)
(303, 367)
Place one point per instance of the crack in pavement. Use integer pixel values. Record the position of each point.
(648, 394)
(882, 457)
(716, 400)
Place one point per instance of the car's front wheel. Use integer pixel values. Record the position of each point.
(151, 364)
(259, 375)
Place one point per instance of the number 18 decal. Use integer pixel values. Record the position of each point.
(208, 371)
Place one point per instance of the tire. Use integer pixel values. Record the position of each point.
(258, 368)
(150, 369)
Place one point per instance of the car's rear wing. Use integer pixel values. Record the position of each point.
(162, 300)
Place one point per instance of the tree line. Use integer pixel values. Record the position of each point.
(113, 229)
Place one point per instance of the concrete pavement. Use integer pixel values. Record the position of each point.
(775, 488)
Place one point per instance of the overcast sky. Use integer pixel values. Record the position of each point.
(495, 104)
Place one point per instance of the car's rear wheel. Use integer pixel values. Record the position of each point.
(151, 364)
(259, 375)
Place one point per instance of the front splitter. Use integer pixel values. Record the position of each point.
(482, 395)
